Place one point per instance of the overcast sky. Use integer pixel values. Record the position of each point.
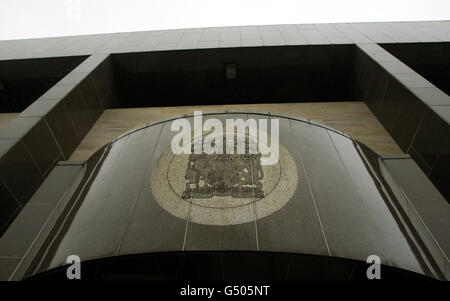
(45, 18)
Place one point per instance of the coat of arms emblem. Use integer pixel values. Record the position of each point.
(236, 175)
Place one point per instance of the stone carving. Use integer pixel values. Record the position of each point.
(236, 175)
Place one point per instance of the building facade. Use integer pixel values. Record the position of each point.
(330, 198)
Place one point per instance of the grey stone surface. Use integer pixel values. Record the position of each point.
(152, 228)
(18, 127)
(232, 237)
(112, 224)
(425, 206)
(18, 167)
(283, 231)
(412, 109)
(432, 96)
(57, 184)
(339, 33)
(7, 266)
(19, 237)
(339, 204)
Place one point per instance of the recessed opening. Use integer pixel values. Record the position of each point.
(23, 81)
(430, 60)
(235, 75)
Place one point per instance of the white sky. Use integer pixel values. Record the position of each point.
(45, 18)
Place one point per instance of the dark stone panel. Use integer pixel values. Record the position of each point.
(409, 118)
(388, 234)
(440, 175)
(390, 106)
(106, 216)
(432, 138)
(360, 61)
(42, 146)
(377, 89)
(63, 129)
(19, 172)
(18, 128)
(332, 187)
(26, 226)
(427, 210)
(56, 115)
(282, 231)
(427, 203)
(109, 220)
(57, 213)
(56, 184)
(7, 266)
(111, 100)
(409, 176)
(419, 160)
(408, 114)
(91, 98)
(104, 78)
(78, 112)
(149, 223)
(149, 226)
(8, 207)
(425, 198)
(234, 237)
(366, 73)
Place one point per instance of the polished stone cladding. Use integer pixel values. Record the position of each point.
(345, 203)
(400, 69)
(351, 61)
(226, 37)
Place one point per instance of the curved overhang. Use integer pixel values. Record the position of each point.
(227, 266)
(326, 197)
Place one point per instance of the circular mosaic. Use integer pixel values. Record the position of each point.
(223, 189)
